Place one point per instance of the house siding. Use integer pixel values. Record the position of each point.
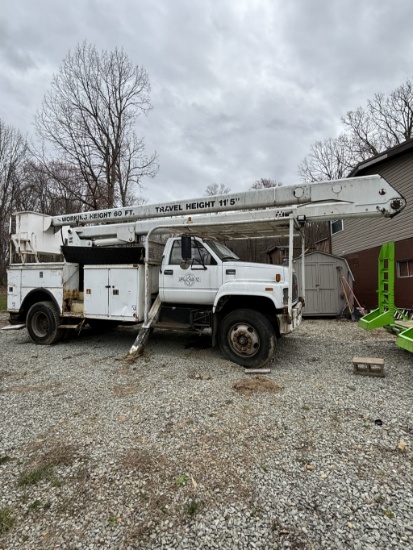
(362, 234)
(364, 266)
(361, 239)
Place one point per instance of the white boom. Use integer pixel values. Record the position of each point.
(367, 194)
(247, 214)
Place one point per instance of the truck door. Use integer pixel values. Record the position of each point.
(196, 282)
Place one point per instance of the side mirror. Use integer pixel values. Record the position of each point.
(186, 248)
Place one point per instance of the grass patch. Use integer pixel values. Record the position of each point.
(35, 505)
(143, 461)
(6, 520)
(181, 480)
(113, 521)
(193, 507)
(32, 477)
(3, 302)
(43, 468)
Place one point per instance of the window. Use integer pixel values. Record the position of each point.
(405, 268)
(200, 254)
(336, 226)
(176, 256)
(222, 251)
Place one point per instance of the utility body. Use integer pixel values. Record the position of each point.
(170, 266)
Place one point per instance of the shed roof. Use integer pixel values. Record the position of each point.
(319, 252)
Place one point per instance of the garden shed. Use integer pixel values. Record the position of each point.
(328, 284)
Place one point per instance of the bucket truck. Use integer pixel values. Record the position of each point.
(101, 268)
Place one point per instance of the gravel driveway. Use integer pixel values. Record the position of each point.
(183, 450)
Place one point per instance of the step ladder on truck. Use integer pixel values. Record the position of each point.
(387, 315)
(108, 273)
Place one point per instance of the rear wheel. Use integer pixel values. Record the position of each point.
(247, 338)
(42, 322)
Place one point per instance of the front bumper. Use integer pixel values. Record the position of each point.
(288, 323)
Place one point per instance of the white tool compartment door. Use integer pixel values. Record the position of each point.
(96, 291)
(123, 291)
(14, 278)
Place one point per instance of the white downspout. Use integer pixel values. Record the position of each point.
(303, 264)
(290, 270)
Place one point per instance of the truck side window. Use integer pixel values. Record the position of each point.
(200, 254)
(175, 258)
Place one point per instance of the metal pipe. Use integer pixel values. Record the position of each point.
(290, 269)
(303, 264)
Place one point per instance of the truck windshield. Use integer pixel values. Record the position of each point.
(224, 253)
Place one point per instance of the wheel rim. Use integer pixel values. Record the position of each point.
(244, 340)
(40, 324)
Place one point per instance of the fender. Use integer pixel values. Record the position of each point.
(268, 290)
(39, 294)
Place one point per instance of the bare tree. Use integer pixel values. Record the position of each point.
(13, 154)
(89, 118)
(384, 123)
(265, 183)
(216, 189)
(52, 189)
(329, 160)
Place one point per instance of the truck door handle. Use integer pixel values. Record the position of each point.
(168, 271)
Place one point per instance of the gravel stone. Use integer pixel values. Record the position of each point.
(168, 452)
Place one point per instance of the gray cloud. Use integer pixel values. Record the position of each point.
(240, 89)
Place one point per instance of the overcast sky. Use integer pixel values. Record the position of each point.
(240, 89)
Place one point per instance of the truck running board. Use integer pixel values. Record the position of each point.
(143, 335)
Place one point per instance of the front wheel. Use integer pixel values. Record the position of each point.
(42, 322)
(247, 338)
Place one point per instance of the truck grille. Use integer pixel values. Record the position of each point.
(294, 292)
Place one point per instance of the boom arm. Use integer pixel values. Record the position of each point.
(368, 193)
(247, 214)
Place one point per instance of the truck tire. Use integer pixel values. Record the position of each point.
(247, 338)
(42, 322)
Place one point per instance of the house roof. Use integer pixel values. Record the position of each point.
(395, 151)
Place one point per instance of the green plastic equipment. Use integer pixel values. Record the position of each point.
(384, 315)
